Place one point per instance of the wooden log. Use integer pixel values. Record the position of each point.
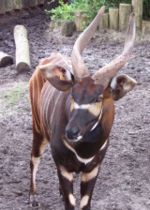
(5, 59)
(8, 5)
(114, 18)
(104, 22)
(124, 13)
(2, 7)
(17, 4)
(138, 10)
(22, 48)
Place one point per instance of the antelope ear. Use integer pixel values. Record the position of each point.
(121, 85)
(57, 72)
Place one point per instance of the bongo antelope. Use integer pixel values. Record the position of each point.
(73, 110)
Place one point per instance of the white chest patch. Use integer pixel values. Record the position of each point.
(82, 160)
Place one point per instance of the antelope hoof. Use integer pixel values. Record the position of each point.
(33, 201)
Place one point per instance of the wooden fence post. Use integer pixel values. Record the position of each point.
(124, 12)
(80, 20)
(17, 4)
(25, 4)
(8, 5)
(114, 18)
(33, 3)
(41, 2)
(2, 7)
(138, 10)
(104, 22)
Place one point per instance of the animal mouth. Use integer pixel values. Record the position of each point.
(74, 140)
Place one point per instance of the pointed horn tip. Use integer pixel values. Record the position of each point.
(102, 10)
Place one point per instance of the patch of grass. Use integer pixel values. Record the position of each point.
(12, 95)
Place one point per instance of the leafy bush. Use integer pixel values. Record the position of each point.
(146, 9)
(62, 12)
(90, 7)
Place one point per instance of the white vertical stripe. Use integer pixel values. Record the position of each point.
(72, 199)
(84, 201)
(36, 162)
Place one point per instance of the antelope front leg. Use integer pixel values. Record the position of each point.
(66, 187)
(88, 180)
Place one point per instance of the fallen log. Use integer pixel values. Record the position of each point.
(5, 59)
(22, 48)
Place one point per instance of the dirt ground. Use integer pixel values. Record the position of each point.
(124, 180)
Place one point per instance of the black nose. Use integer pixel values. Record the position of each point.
(72, 133)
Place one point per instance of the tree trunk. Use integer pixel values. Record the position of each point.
(124, 13)
(22, 48)
(114, 18)
(5, 59)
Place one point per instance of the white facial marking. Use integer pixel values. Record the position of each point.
(99, 118)
(66, 174)
(82, 160)
(93, 108)
(104, 145)
(79, 137)
(36, 162)
(84, 201)
(94, 126)
(72, 199)
(85, 177)
(82, 106)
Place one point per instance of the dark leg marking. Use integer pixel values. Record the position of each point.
(66, 186)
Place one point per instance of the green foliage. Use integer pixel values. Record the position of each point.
(62, 12)
(115, 3)
(146, 9)
(90, 7)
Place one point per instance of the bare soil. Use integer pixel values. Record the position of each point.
(124, 180)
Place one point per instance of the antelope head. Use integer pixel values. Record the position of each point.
(91, 98)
